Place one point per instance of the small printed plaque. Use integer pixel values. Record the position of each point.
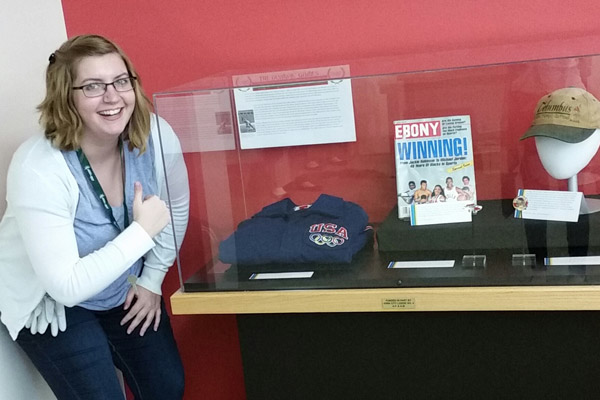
(548, 205)
(282, 275)
(400, 303)
(581, 260)
(422, 264)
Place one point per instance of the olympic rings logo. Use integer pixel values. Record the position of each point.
(328, 240)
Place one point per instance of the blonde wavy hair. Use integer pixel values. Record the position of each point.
(59, 117)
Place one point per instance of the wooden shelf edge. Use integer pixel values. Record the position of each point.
(501, 298)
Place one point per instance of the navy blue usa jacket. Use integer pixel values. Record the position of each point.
(330, 230)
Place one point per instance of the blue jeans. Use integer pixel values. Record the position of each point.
(80, 362)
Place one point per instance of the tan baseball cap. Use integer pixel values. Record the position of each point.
(569, 114)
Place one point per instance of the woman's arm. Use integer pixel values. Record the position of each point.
(172, 181)
(161, 257)
(42, 202)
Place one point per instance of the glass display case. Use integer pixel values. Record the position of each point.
(251, 141)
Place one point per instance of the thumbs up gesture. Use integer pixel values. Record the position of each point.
(151, 213)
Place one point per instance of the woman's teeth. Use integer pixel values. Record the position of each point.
(108, 113)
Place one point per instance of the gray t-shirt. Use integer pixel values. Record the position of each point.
(94, 229)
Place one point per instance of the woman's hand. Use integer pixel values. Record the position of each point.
(146, 309)
(151, 213)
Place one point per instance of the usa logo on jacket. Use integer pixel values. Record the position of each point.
(328, 234)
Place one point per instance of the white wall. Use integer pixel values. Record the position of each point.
(29, 31)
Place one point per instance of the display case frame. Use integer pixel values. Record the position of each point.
(229, 184)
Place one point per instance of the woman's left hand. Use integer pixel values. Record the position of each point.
(146, 309)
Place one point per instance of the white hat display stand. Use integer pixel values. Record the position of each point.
(564, 160)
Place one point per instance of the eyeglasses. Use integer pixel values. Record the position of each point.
(96, 89)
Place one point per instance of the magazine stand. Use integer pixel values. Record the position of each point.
(588, 206)
(474, 260)
(523, 259)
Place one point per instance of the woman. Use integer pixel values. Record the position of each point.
(87, 227)
(438, 195)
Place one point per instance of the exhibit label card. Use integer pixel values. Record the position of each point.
(422, 264)
(440, 213)
(282, 275)
(202, 120)
(549, 205)
(293, 108)
(581, 260)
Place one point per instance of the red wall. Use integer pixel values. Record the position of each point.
(175, 42)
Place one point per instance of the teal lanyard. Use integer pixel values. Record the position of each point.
(91, 177)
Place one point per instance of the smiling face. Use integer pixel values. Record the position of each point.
(104, 117)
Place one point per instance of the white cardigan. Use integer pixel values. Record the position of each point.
(38, 250)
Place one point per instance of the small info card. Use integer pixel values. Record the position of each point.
(440, 213)
(549, 205)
